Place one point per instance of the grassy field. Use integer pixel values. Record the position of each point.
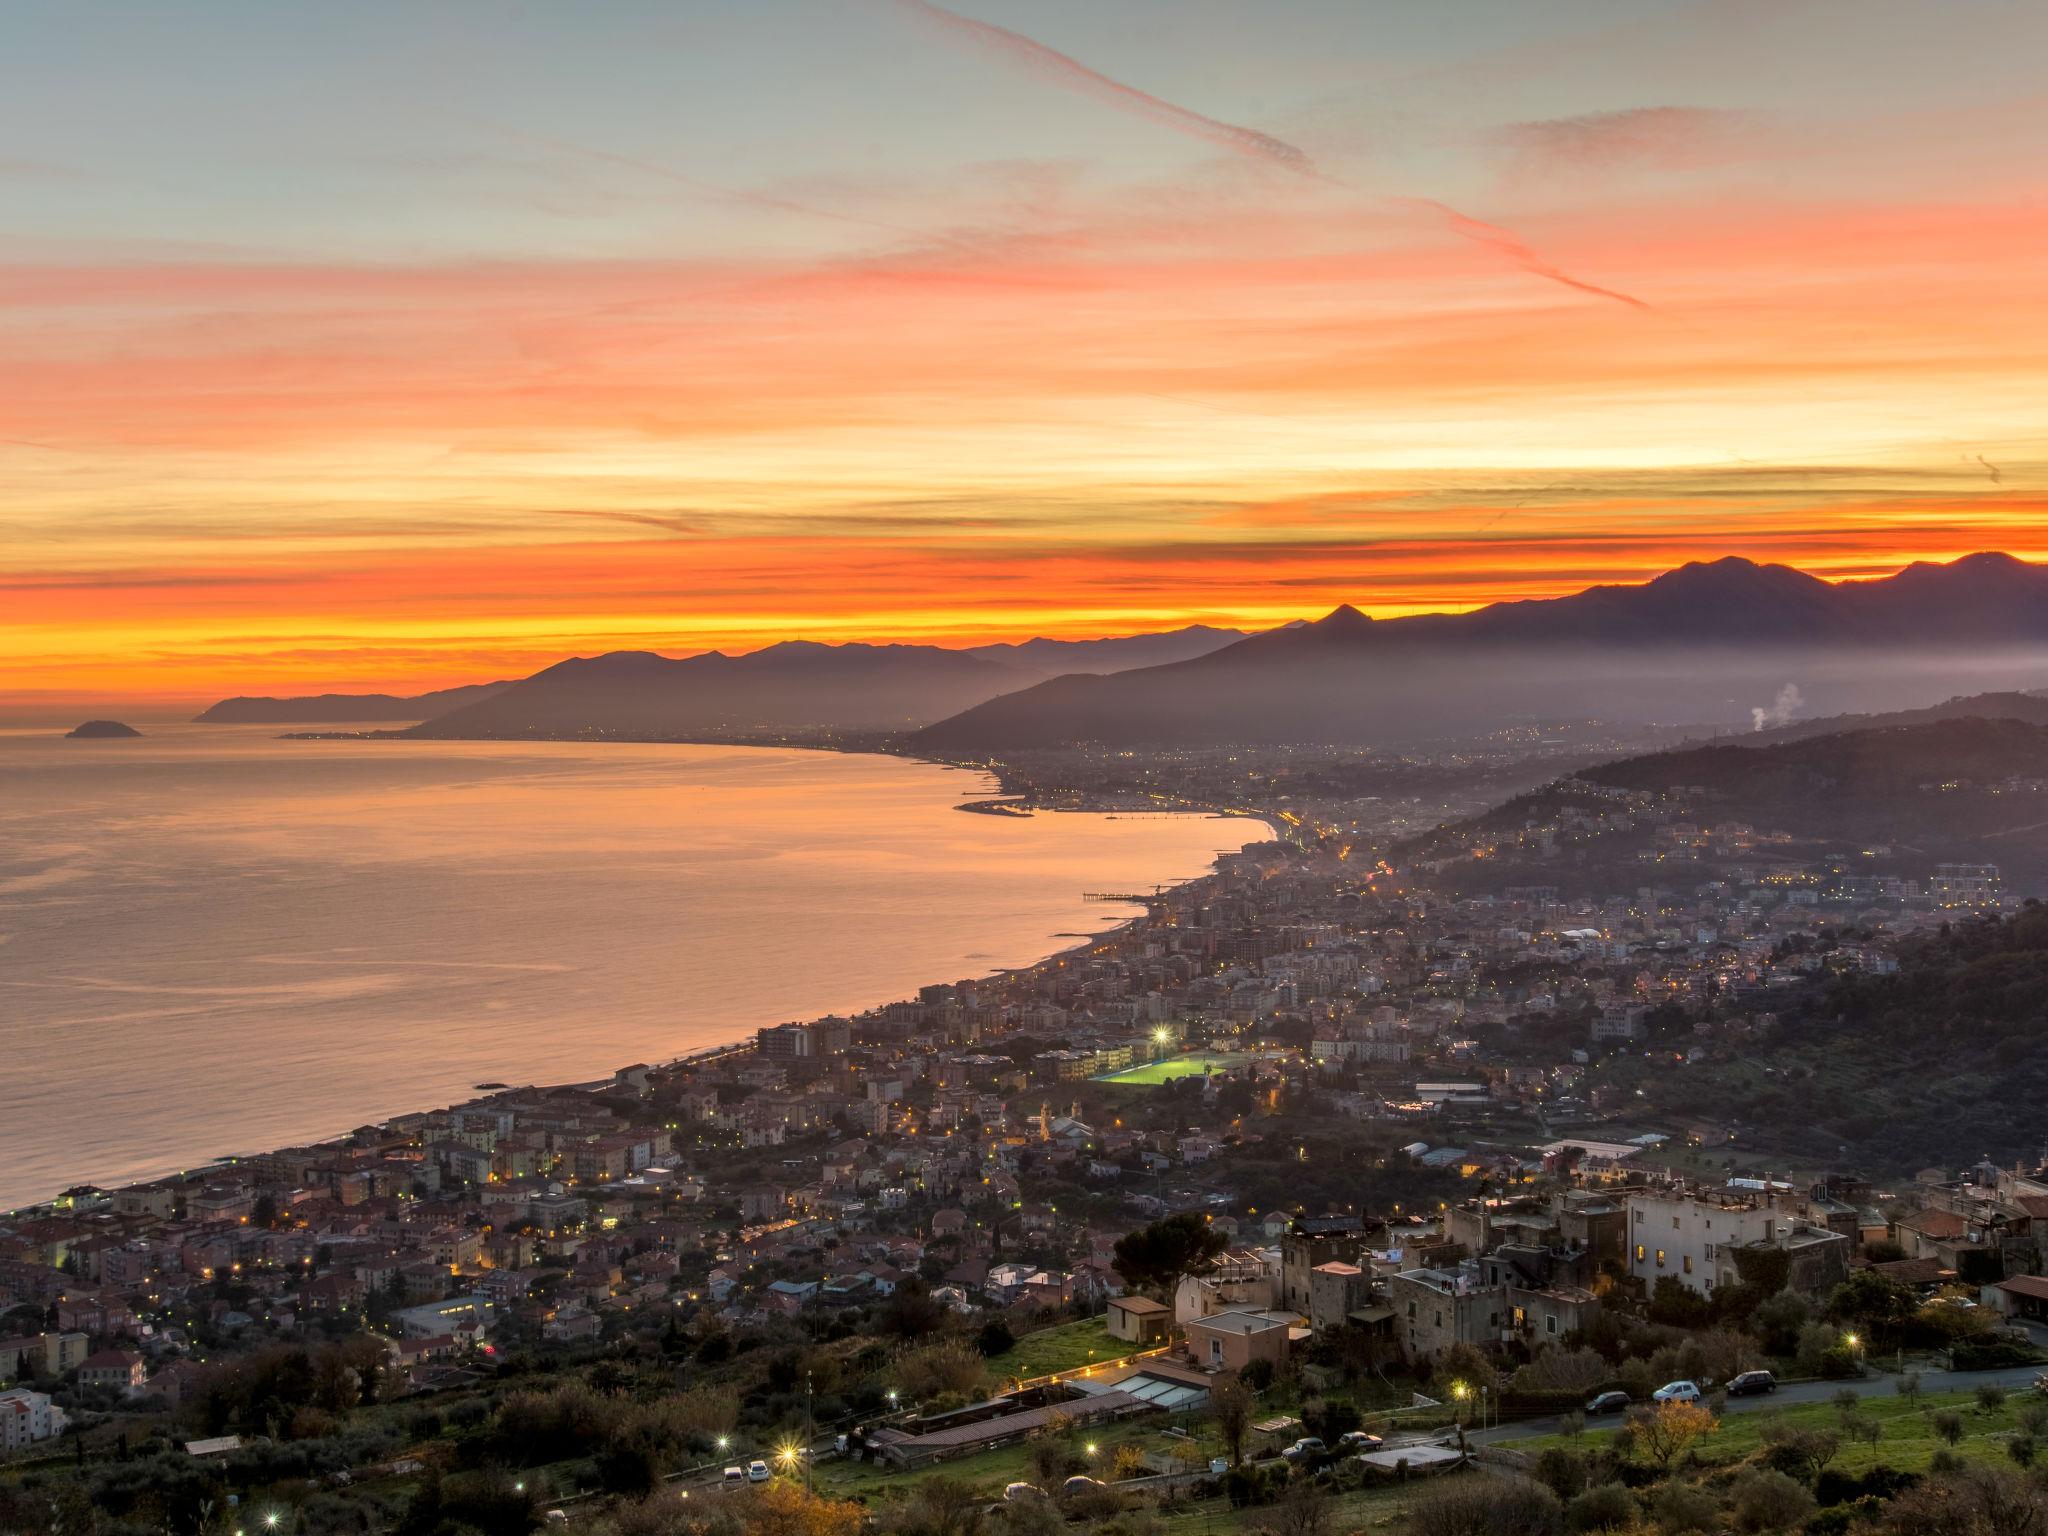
(991, 1471)
(1165, 1071)
(1067, 1347)
(1907, 1439)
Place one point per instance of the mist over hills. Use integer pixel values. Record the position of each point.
(1709, 642)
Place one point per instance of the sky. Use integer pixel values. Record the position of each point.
(392, 345)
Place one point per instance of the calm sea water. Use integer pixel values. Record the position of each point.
(213, 941)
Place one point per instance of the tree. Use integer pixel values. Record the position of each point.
(1156, 1256)
(911, 1312)
(1230, 1400)
(1769, 1501)
(783, 1508)
(1663, 1433)
(1872, 1301)
(1487, 1506)
(1794, 1449)
(1304, 1510)
(1949, 1425)
(995, 1338)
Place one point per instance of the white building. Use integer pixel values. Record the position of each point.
(1692, 1236)
(27, 1417)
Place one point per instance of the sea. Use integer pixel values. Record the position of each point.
(214, 941)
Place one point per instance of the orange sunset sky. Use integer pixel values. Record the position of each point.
(394, 345)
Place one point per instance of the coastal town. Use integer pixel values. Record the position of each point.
(1404, 1153)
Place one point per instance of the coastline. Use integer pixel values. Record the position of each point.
(1011, 805)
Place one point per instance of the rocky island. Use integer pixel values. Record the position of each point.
(102, 730)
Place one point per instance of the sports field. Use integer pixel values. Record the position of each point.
(1165, 1071)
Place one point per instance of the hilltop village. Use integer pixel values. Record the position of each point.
(1337, 1123)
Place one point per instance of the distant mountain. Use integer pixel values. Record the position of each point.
(797, 685)
(1049, 658)
(1715, 641)
(102, 730)
(333, 708)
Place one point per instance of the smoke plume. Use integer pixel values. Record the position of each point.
(1782, 711)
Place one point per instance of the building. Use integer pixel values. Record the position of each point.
(119, 1370)
(27, 1417)
(1437, 1308)
(1693, 1237)
(1230, 1341)
(1139, 1320)
(1311, 1241)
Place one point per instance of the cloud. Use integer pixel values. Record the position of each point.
(1072, 74)
(1658, 138)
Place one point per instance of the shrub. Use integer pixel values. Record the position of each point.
(1768, 1501)
(995, 1338)
(1990, 1396)
(1949, 1425)
(1563, 1472)
(1487, 1506)
(1909, 1386)
(1609, 1507)
(2022, 1448)
(1945, 1461)
(1997, 1355)
(1571, 1424)
(1258, 1375)
(1683, 1507)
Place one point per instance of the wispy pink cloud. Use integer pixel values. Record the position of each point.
(1071, 74)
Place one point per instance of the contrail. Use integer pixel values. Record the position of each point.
(1510, 245)
(1072, 74)
(1075, 75)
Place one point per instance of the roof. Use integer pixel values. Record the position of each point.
(1144, 1306)
(1933, 1223)
(2033, 1287)
(1240, 1322)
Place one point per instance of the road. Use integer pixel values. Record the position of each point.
(2017, 1378)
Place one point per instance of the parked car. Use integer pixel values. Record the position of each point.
(1750, 1382)
(1218, 1465)
(1306, 1448)
(735, 1474)
(757, 1471)
(1609, 1402)
(1677, 1392)
(1359, 1440)
(1081, 1483)
(1017, 1493)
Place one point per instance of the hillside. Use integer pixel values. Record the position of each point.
(1967, 789)
(1942, 1063)
(1712, 642)
(339, 708)
(795, 686)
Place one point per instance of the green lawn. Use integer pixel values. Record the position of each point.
(1067, 1347)
(990, 1471)
(1171, 1067)
(1908, 1440)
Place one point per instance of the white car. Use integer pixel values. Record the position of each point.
(757, 1471)
(1677, 1392)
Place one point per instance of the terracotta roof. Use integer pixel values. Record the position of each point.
(1933, 1223)
(2033, 1287)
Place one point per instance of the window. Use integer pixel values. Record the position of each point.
(1710, 1253)
(1674, 1223)
(1660, 1258)
(1688, 1263)
(1639, 1253)
(1550, 1324)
